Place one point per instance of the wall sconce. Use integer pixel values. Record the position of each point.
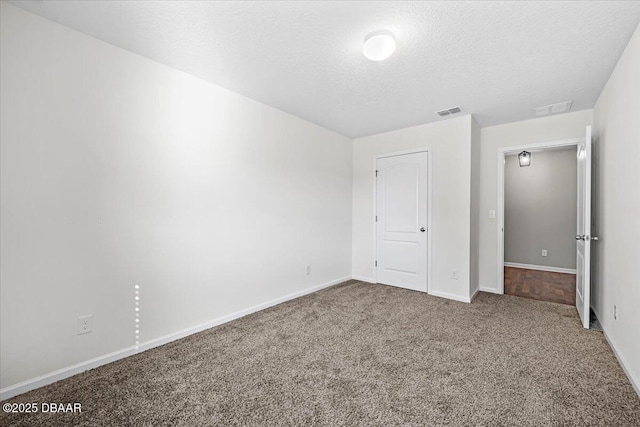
(524, 158)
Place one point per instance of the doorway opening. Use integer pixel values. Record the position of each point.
(540, 223)
(582, 210)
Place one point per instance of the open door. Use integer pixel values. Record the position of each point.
(583, 233)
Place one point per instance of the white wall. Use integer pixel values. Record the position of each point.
(540, 208)
(118, 171)
(551, 128)
(616, 277)
(449, 141)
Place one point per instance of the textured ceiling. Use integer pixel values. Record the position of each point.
(498, 60)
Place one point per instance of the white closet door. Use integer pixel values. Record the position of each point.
(401, 227)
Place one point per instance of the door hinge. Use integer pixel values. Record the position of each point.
(376, 218)
(377, 173)
(376, 263)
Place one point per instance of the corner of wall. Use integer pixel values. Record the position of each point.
(474, 200)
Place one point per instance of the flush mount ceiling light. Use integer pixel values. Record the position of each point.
(379, 45)
(524, 158)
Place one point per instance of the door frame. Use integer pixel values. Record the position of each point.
(375, 208)
(502, 152)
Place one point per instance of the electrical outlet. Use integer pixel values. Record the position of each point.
(85, 324)
(544, 252)
(492, 214)
(615, 312)
(307, 270)
(454, 274)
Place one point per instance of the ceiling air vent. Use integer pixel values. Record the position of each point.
(448, 111)
(561, 107)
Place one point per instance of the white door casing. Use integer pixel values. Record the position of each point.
(401, 215)
(583, 232)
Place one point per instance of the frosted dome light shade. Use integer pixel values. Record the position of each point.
(379, 45)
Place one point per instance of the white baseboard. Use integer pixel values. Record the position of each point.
(475, 294)
(490, 290)
(450, 296)
(635, 382)
(434, 293)
(69, 371)
(60, 374)
(541, 268)
(363, 279)
(625, 367)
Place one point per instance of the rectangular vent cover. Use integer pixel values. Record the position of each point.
(448, 111)
(561, 107)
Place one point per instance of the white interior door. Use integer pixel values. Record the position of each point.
(583, 233)
(401, 215)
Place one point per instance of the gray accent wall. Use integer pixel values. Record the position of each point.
(540, 209)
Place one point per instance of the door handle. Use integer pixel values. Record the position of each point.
(422, 229)
(586, 238)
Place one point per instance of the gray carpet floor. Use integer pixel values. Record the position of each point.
(362, 354)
